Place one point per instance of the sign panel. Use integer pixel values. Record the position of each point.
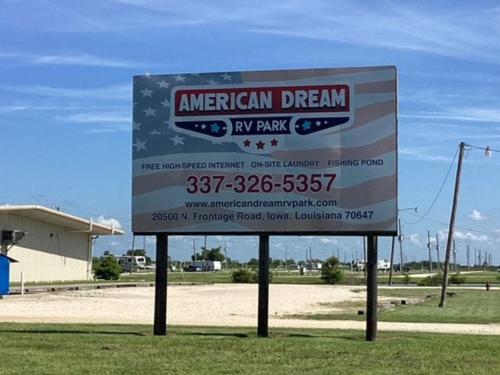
(292, 151)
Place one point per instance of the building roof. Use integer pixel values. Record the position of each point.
(55, 217)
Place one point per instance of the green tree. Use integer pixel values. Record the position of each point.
(331, 272)
(108, 269)
(253, 263)
(214, 254)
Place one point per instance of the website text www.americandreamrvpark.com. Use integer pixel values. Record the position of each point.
(262, 203)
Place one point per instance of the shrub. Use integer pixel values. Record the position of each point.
(108, 269)
(331, 272)
(406, 279)
(433, 280)
(247, 276)
(457, 279)
(244, 276)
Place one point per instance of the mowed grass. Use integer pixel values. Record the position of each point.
(108, 349)
(466, 306)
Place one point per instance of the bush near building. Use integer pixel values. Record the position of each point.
(108, 269)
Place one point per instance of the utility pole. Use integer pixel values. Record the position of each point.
(392, 260)
(454, 257)
(468, 258)
(480, 258)
(475, 258)
(430, 251)
(437, 251)
(194, 250)
(225, 252)
(451, 229)
(286, 258)
(400, 237)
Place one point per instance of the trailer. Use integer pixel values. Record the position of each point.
(131, 263)
(204, 266)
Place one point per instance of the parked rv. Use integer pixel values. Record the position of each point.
(131, 263)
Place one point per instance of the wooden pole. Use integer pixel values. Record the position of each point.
(400, 237)
(451, 229)
(392, 260)
(160, 318)
(430, 251)
(371, 290)
(263, 308)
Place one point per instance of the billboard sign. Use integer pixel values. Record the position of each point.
(292, 152)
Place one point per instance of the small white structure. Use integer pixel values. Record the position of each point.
(207, 265)
(57, 246)
(382, 265)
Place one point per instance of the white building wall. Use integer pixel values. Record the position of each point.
(48, 252)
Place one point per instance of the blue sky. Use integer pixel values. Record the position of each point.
(65, 99)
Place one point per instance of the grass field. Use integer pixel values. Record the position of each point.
(88, 349)
(467, 306)
(281, 277)
(294, 278)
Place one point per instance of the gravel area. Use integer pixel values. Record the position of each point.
(205, 305)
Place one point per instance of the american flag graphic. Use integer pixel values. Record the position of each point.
(312, 151)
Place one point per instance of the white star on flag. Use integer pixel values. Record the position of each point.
(179, 78)
(163, 84)
(147, 92)
(149, 112)
(165, 103)
(155, 132)
(216, 142)
(226, 77)
(212, 82)
(177, 140)
(139, 145)
(137, 125)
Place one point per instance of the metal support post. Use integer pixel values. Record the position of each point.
(160, 318)
(263, 308)
(371, 290)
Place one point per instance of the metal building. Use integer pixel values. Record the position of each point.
(57, 246)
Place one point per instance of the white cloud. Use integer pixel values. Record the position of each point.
(414, 238)
(429, 27)
(80, 59)
(116, 92)
(110, 222)
(476, 215)
(329, 241)
(466, 236)
(422, 154)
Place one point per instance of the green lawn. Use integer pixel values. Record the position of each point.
(281, 277)
(93, 349)
(467, 306)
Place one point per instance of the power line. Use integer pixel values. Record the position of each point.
(444, 223)
(438, 193)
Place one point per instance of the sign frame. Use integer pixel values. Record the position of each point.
(264, 230)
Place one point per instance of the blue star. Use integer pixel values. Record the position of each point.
(214, 128)
(306, 125)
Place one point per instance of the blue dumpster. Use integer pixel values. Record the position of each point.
(5, 262)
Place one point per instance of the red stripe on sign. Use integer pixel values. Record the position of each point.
(261, 100)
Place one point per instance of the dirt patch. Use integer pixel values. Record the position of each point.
(208, 305)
